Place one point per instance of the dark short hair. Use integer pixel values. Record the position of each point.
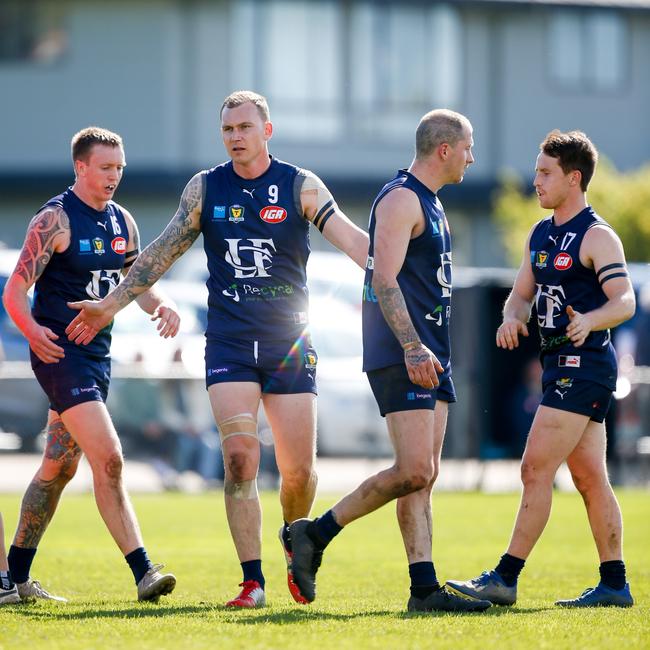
(240, 97)
(86, 139)
(437, 127)
(574, 151)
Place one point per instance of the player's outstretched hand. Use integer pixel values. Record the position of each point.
(168, 319)
(91, 319)
(579, 326)
(508, 333)
(423, 367)
(41, 341)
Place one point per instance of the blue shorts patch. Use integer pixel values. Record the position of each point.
(578, 396)
(76, 379)
(280, 367)
(394, 391)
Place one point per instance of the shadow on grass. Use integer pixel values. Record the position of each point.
(110, 610)
(238, 617)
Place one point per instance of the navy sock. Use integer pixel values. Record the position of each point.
(5, 580)
(612, 574)
(323, 530)
(423, 579)
(286, 538)
(139, 562)
(253, 571)
(20, 562)
(509, 568)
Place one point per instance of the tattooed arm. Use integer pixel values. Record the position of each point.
(398, 219)
(154, 260)
(153, 301)
(47, 233)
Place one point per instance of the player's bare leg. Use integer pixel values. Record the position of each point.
(235, 405)
(293, 421)
(589, 472)
(92, 429)
(414, 510)
(553, 436)
(59, 464)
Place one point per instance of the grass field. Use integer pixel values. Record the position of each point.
(362, 587)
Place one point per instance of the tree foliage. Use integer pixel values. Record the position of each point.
(621, 198)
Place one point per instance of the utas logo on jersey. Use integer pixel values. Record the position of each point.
(540, 259)
(562, 261)
(119, 245)
(98, 246)
(273, 214)
(236, 213)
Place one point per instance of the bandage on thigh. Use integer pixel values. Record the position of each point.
(242, 424)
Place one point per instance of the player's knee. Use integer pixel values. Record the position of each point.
(298, 478)
(532, 473)
(113, 466)
(587, 481)
(240, 466)
(416, 477)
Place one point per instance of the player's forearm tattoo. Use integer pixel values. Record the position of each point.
(156, 258)
(393, 307)
(42, 496)
(39, 243)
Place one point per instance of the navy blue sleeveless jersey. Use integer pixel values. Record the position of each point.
(257, 244)
(425, 281)
(561, 281)
(87, 270)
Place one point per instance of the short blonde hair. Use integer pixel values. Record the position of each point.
(83, 141)
(437, 127)
(240, 97)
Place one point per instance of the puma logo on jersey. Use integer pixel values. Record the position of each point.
(103, 225)
(553, 239)
(248, 192)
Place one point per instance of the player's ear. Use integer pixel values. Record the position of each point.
(268, 130)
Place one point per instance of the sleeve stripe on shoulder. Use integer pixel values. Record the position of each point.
(609, 267)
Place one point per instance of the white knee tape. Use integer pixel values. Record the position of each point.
(244, 490)
(242, 424)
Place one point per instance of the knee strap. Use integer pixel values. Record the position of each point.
(242, 424)
(244, 490)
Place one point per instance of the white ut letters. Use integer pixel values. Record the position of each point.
(262, 253)
(102, 283)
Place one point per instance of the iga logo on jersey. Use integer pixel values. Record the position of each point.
(273, 214)
(119, 245)
(562, 261)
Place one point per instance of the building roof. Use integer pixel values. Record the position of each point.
(604, 4)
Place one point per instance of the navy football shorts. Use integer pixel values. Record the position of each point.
(578, 396)
(280, 367)
(76, 379)
(394, 391)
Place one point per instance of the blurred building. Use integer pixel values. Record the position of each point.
(347, 82)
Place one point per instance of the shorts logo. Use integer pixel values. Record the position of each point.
(310, 361)
(75, 392)
(216, 371)
(84, 246)
(569, 361)
(219, 212)
(236, 213)
(412, 396)
(98, 246)
(119, 245)
(273, 214)
(562, 261)
(540, 259)
(564, 382)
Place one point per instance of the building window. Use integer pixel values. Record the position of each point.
(405, 59)
(587, 50)
(295, 60)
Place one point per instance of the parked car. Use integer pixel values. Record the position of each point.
(23, 405)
